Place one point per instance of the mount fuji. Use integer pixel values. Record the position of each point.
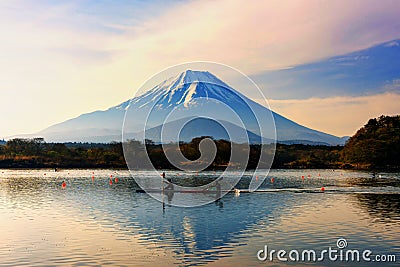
(364, 72)
(191, 94)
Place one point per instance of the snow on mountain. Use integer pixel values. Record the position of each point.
(184, 88)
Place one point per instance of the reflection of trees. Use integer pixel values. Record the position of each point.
(382, 206)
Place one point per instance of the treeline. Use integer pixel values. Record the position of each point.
(374, 146)
(36, 153)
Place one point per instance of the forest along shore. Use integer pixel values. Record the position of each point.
(375, 146)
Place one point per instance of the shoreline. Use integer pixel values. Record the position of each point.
(88, 167)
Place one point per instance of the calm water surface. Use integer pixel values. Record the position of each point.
(93, 223)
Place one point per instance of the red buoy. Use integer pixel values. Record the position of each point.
(302, 177)
(272, 180)
(322, 189)
(110, 182)
(64, 185)
(116, 180)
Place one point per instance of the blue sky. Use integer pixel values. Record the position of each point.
(60, 59)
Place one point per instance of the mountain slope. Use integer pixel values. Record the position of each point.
(203, 127)
(189, 94)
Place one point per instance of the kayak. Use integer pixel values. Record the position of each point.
(179, 191)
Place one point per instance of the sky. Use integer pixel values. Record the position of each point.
(59, 59)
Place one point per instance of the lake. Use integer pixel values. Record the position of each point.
(91, 222)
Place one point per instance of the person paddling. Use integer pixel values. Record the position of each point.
(169, 189)
(170, 185)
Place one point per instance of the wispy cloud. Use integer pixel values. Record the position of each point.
(393, 86)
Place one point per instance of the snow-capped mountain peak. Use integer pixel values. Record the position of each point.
(194, 76)
(184, 89)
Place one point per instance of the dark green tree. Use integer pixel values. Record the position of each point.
(376, 144)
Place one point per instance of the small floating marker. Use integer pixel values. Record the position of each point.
(322, 189)
(272, 180)
(237, 192)
(319, 174)
(64, 185)
(110, 182)
(116, 180)
(302, 177)
(111, 176)
(256, 178)
(93, 178)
